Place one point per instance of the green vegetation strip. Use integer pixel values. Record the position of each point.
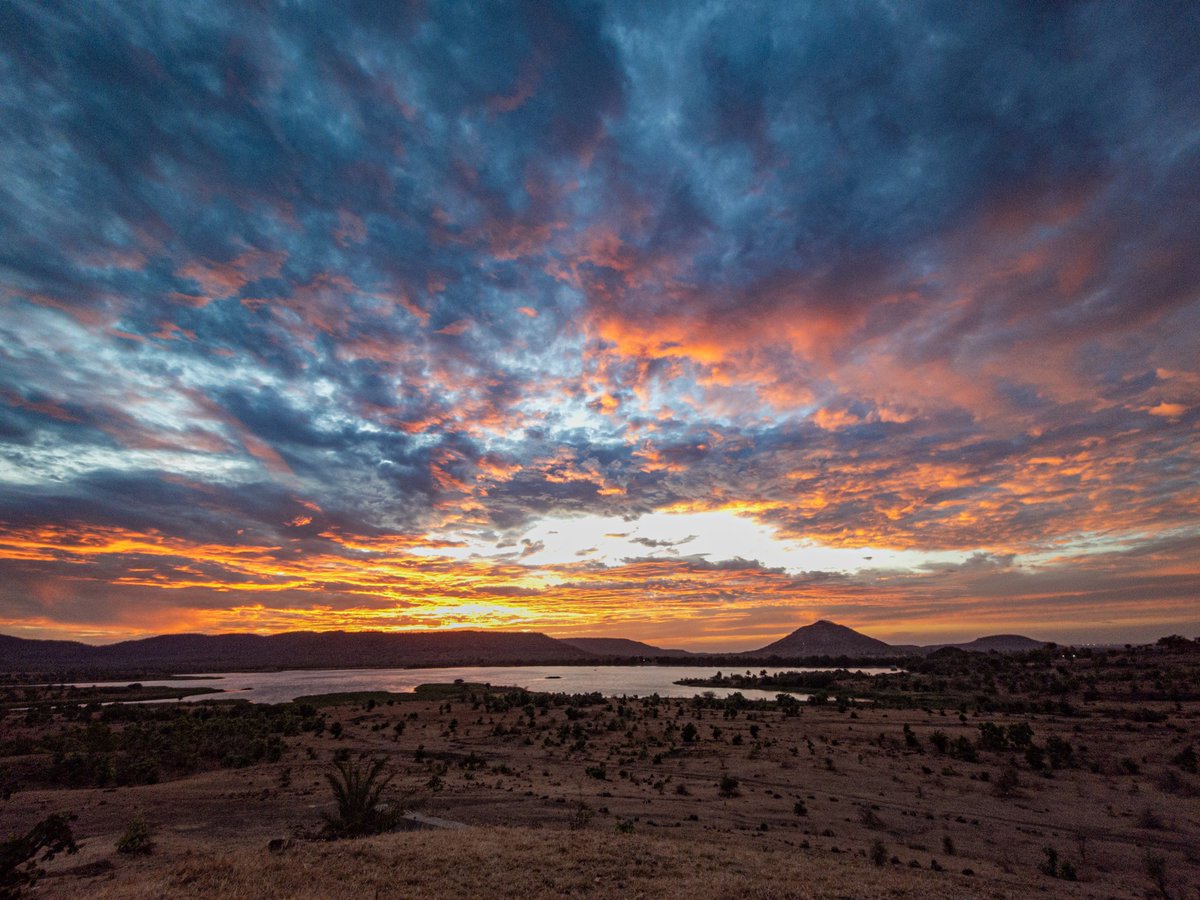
(44, 698)
(438, 691)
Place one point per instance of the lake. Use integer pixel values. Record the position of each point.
(612, 681)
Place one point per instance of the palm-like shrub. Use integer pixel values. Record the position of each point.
(358, 788)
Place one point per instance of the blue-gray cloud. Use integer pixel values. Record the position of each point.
(927, 275)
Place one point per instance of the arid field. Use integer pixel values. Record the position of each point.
(519, 794)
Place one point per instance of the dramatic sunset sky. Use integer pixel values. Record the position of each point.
(688, 322)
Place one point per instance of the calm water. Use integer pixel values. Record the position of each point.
(612, 681)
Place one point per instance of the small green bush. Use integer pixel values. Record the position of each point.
(136, 838)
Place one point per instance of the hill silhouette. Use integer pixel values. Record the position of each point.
(291, 650)
(1000, 643)
(178, 653)
(622, 647)
(824, 638)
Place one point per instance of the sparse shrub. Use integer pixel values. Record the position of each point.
(136, 838)
(1059, 752)
(583, 815)
(689, 733)
(800, 808)
(940, 740)
(1035, 756)
(964, 750)
(1007, 784)
(1049, 866)
(1056, 868)
(879, 853)
(1020, 735)
(1186, 759)
(358, 790)
(867, 816)
(598, 772)
(1149, 818)
(993, 737)
(728, 786)
(1156, 870)
(910, 738)
(1171, 782)
(948, 845)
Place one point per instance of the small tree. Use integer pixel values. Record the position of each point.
(19, 855)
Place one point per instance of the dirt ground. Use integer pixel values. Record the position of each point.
(820, 803)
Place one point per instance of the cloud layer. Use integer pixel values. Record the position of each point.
(311, 317)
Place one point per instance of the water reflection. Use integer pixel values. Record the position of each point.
(612, 681)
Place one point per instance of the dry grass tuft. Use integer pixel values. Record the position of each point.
(524, 863)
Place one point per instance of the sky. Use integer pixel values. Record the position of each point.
(687, 322)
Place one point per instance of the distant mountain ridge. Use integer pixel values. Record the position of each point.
(1000, 643)
(179, 653)
(291, 650)
(824, 638)
(622, 647)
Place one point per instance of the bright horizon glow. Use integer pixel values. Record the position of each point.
(717, 536)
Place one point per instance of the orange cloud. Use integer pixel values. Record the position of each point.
(218, 280)
(1168, 410)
